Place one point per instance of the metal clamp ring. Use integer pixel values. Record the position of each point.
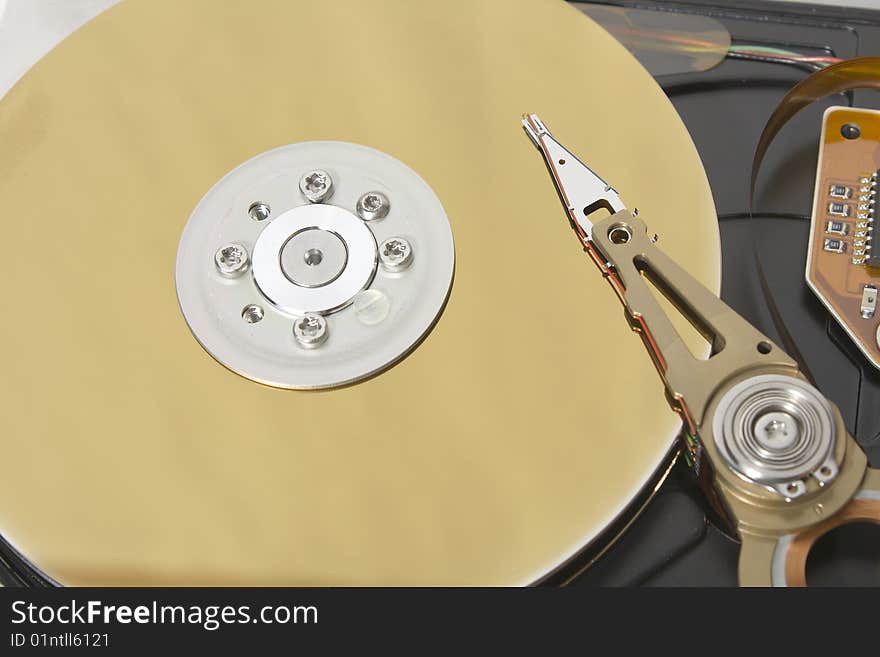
(299, 300)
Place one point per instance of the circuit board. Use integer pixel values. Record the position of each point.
(843, 266)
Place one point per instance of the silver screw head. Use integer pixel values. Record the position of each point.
(776, 430)
(373, 205)
(395, 254)
(232, 260)
(310, 330)
(316, 186)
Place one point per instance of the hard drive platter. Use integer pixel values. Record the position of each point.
(165, 422)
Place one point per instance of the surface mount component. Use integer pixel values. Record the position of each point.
(843, 264)
(771, 451)
(837, 228)
(443, 447)
(836, 209)
(840, 191)
(869, 301)
(835, 246)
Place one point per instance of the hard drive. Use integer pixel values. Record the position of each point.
(290, 304)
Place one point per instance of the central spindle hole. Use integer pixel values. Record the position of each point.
(313, 257)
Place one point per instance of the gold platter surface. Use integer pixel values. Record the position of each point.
(526, 421)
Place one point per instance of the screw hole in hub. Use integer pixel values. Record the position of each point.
(252, 313)
(259, 211)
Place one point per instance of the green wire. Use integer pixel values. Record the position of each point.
(766, 49)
